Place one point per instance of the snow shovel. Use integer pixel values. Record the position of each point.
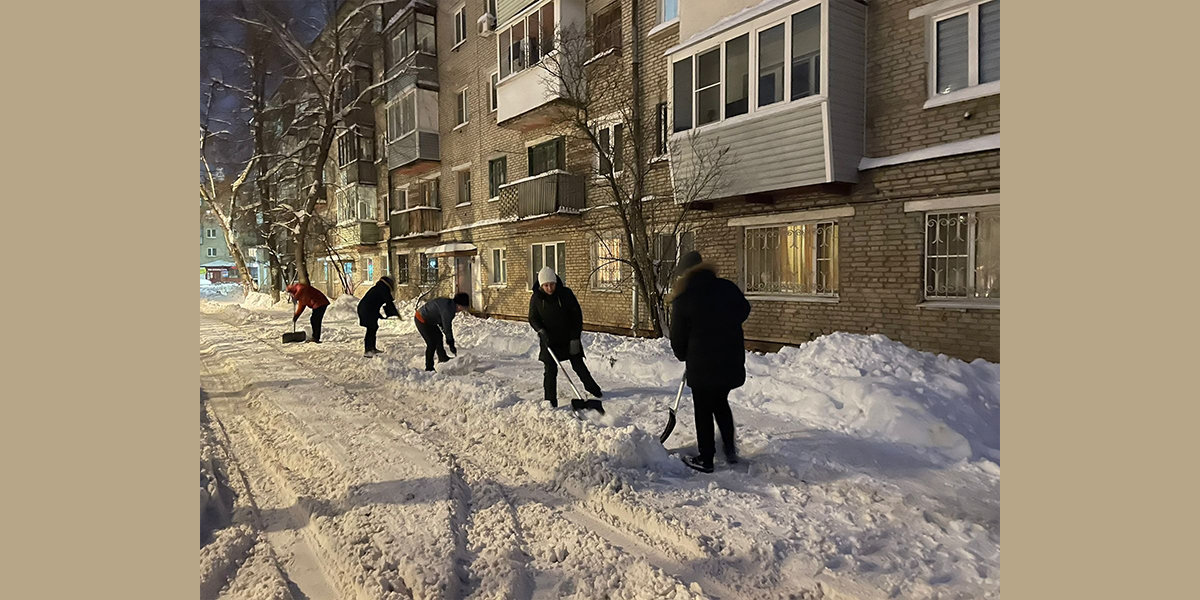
(294, 336)
(662, 439)
(564, 372)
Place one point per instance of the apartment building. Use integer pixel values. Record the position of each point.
(862, 192)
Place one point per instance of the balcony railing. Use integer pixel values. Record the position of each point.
(418, 145)
(356, 233)
(546, 194)
(419, 221)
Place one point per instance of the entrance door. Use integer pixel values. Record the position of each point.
(463, 275)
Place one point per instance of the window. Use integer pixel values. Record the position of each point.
(429, 269)
(429, 193)
(370, 269)
(354, 205)
(401, 272)
(399, 199)
(966, 48)
(497, 175)
(210, 233)
(668, 10)
(402, 44)
(737, 76)
(708, 87)
(606, 268)
(499, 266)
(402, 116)
(606, 27)
(527, 41)
(806, 52)
(426, 34)
(611, 159)
(492, 90)
(461, 103)
(366, 145)
(546, 156)
(660, 129)
(714, 83)
(464, 186)
(212, 252)
(770, 65)
(460, 25)
(553, 255)
(962, 255)
(682, 96)
(800, 259)
(347, 148)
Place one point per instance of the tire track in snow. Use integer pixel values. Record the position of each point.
(580, 507)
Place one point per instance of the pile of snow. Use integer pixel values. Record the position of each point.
(220, 291)
(259, 301)
(344, 307)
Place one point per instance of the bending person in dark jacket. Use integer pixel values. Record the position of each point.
(555, 315)
(706, 332)
(379, 296)
(436, 313)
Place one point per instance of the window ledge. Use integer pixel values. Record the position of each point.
(969, 93)
(660, 158)
(600, 56)
(493, 199)
(455, 47)
(606, 290)
(462, 204)
(964, 306)
(497, 285)
(460, 126)
(785, 298)
(661, 27)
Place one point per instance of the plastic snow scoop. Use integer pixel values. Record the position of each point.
(294, 336)
(662, 439)
(569, 380)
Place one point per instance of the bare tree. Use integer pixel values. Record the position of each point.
(318, 106)
(218, 193)
(599, 91)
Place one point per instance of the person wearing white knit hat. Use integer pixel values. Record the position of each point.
(555, 314)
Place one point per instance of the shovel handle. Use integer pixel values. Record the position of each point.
(679, 394)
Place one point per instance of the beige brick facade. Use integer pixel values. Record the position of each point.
(881, 247)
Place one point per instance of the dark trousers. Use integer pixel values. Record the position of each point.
(550, 378)
(433, 343)
(369, 340)
(713, 403)
(318, 313)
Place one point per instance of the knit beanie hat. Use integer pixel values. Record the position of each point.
(546, 275)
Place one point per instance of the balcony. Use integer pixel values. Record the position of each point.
(356, 233)
(527, 91)
(413, 148)
(551, 193)
(358, 171)
(416, 222)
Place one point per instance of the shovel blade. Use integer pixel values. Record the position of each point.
(662, 439)
(292, 338)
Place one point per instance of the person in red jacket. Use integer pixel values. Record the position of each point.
(307, 295)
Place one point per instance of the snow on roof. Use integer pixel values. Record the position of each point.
(451, 248)
(218, 263)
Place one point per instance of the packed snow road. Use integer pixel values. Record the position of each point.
(329, 475)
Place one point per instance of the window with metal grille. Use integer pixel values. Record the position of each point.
(799, 259)
(962, 255)
(429, 269)
(401, 269)
(606, 256)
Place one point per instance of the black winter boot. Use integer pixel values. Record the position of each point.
(704, 465)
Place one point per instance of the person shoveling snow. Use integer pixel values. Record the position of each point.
(555, 315)
(706, 333)
(309, 296)
(435, 314)
(379, 296)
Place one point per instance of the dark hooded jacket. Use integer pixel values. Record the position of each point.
(440, 312)
(559, 315)
(379, 296)
(706, 328)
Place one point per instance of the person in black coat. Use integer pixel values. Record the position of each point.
(554, 313)
(434, 320)
(706, 333)
(379, 296)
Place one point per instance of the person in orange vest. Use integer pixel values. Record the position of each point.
(307, 295)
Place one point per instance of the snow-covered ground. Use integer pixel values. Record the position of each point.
(871, 470)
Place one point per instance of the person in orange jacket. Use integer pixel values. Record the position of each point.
(307, 295)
